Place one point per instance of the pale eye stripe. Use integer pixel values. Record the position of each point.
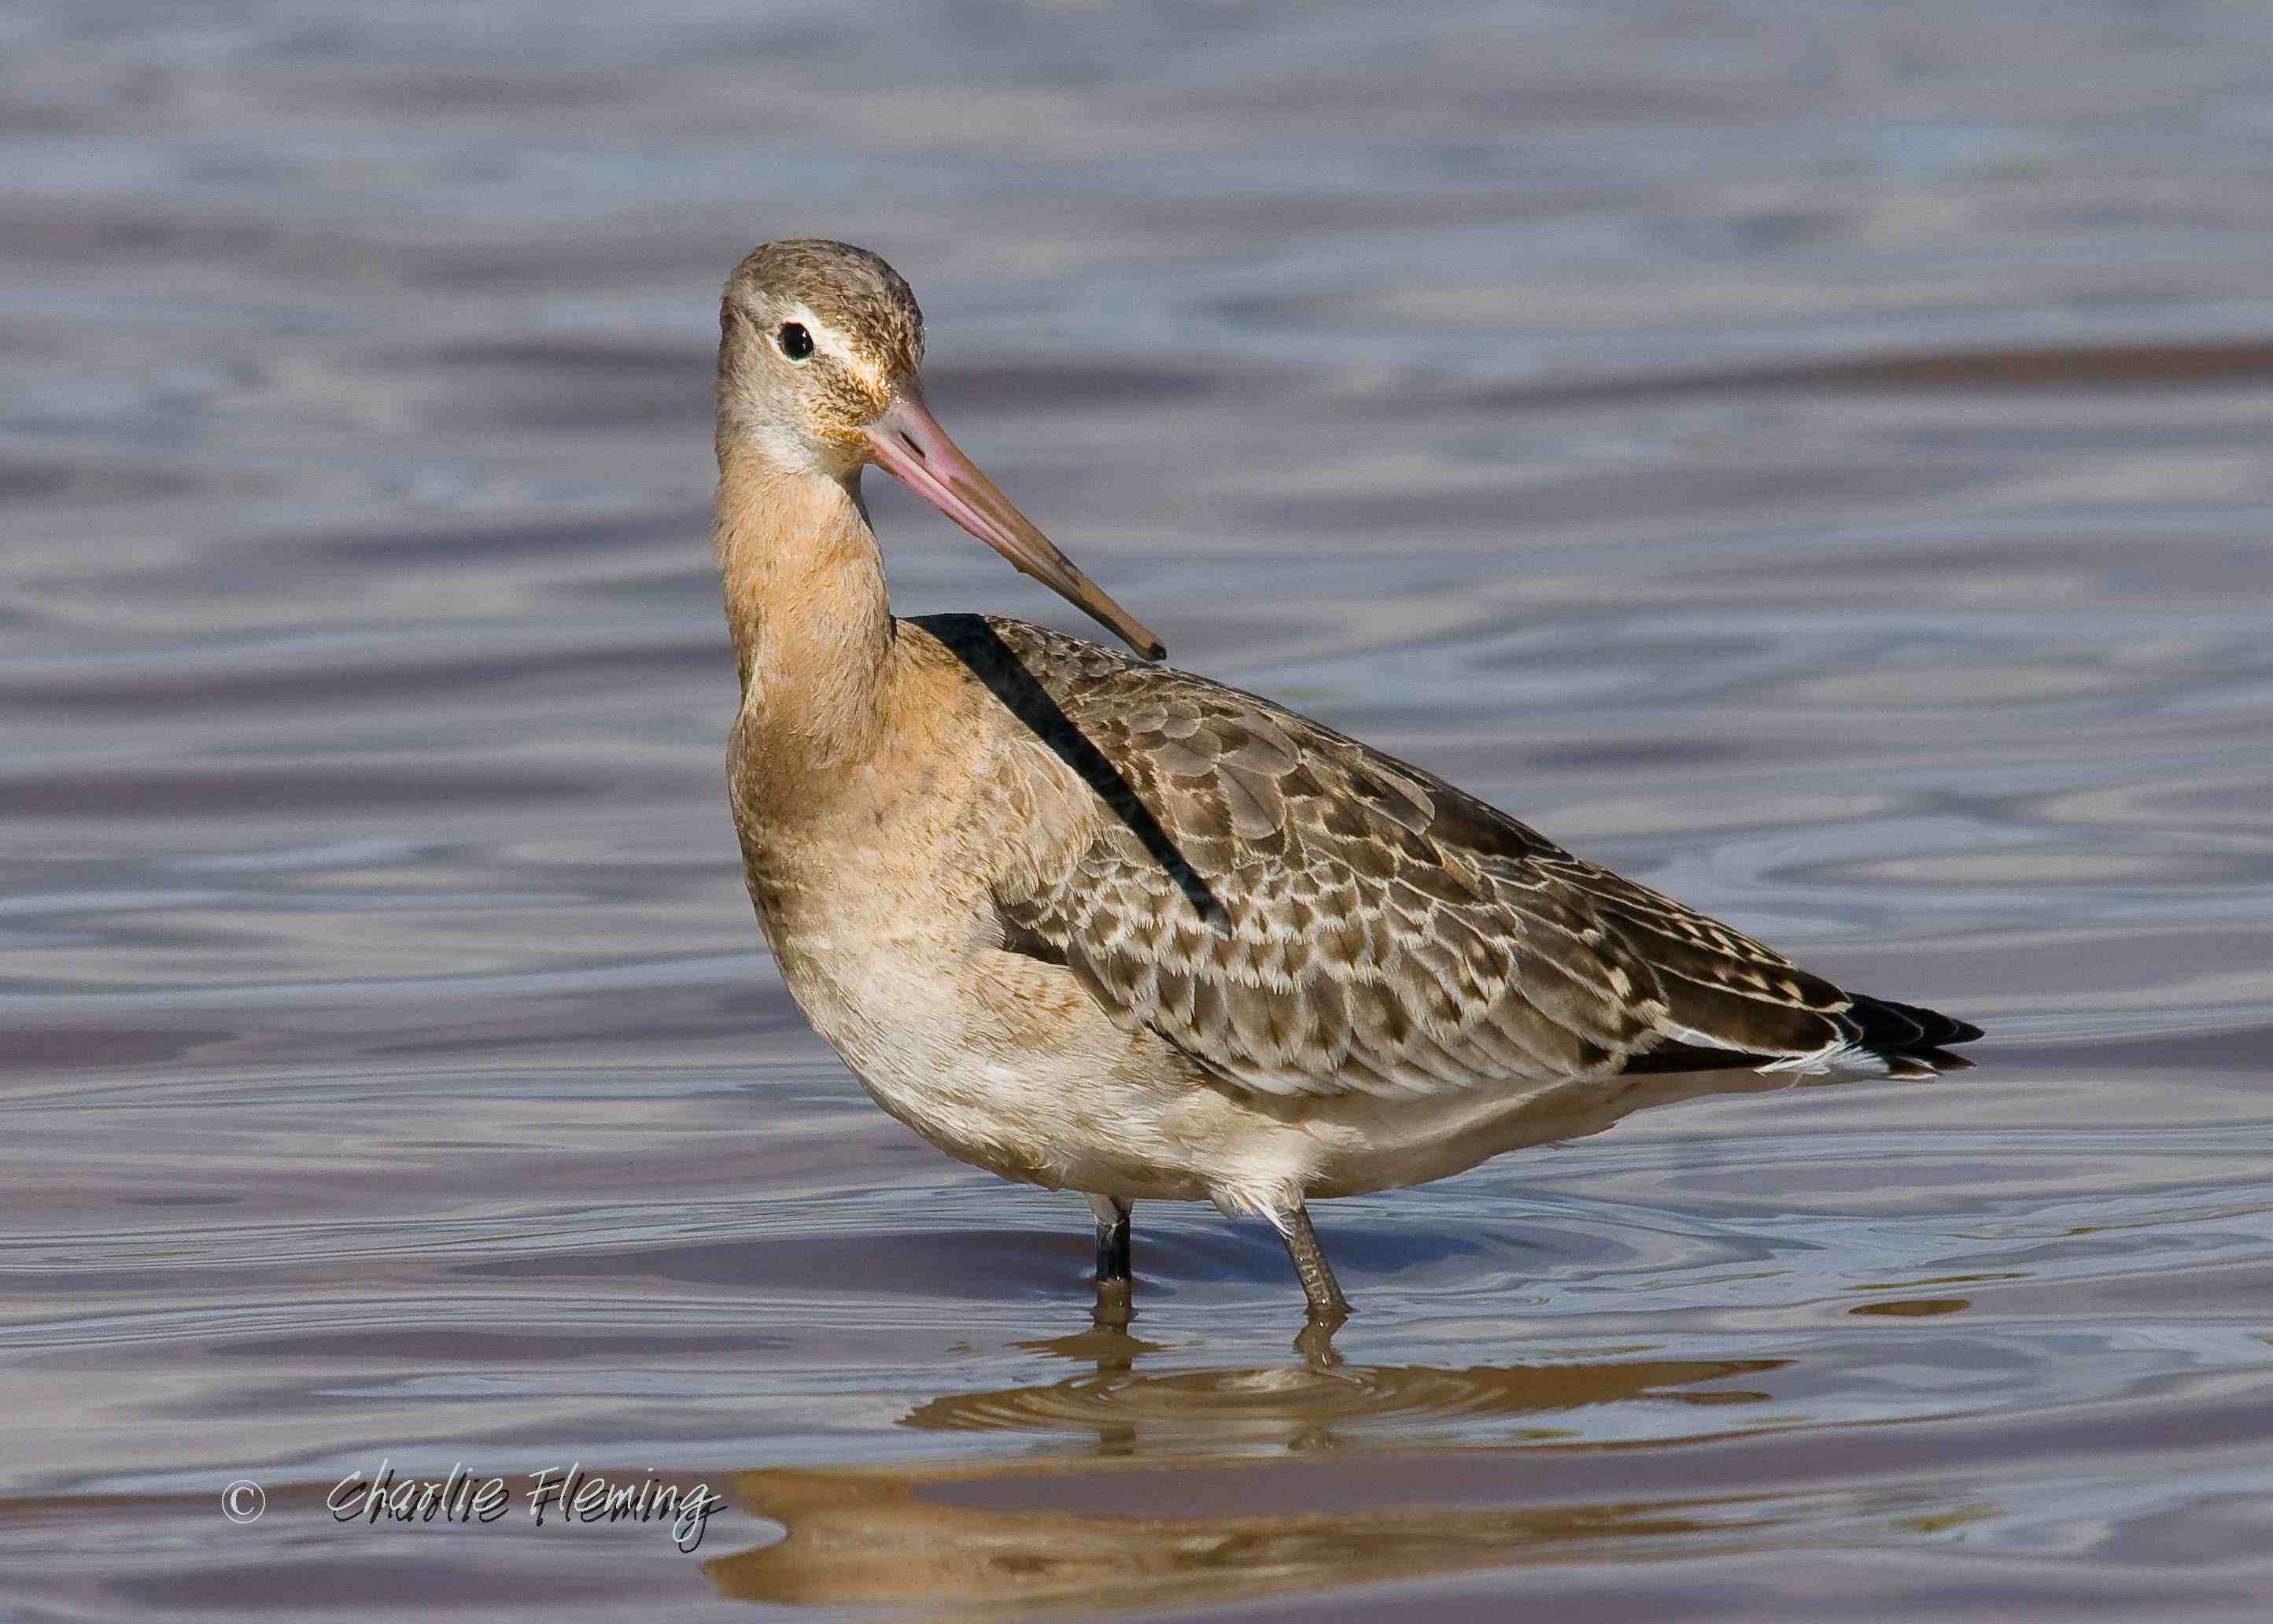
(829, 342)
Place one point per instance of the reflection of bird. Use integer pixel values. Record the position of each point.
(898, 1537)
(1093, 923)
(1303, 1408)
(1281, 1480)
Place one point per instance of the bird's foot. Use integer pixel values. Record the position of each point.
(1315, 1342)
(1115, 1305)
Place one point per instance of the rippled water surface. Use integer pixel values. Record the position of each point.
(1813, 458)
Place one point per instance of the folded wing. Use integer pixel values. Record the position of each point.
(1302, 914)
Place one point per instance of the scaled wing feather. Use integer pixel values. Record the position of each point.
(1300, 914)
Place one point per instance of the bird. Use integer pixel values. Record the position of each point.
(1094, 923)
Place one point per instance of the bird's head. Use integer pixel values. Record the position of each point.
(819, 357)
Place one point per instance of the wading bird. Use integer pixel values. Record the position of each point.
(1096, 924)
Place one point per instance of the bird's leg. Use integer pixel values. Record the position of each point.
(1324, 1293)
(1114, 1283)
(1112, 1237)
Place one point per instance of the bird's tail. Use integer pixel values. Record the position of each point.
(1912, 1040)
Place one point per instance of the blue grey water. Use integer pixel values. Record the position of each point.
(1813, 459)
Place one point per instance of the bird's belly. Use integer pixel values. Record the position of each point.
(1003, 1063)
(1370, 1144)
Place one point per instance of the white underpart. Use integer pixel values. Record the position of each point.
(1837, 1053)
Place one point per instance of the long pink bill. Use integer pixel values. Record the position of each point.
(908, 444)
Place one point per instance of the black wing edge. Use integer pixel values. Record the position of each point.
(1898, 1028)
(1913, 1041)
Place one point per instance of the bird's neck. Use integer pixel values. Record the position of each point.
(805, 603)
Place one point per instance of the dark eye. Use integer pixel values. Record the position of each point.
(796, 342)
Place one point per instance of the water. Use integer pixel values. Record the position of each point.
(1813, 462)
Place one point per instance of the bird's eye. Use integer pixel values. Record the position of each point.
(796, 342)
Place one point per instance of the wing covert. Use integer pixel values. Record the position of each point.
(1299, 914)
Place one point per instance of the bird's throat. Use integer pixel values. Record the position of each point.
(804, 587)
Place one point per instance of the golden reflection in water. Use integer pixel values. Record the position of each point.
(1248, 1460)
(1298, 1407)
(1915, 1308)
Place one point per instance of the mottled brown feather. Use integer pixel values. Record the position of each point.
(1373, 928)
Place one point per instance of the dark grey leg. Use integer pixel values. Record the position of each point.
(1112, 1238)
(1115, 1286)
(1324, 1293)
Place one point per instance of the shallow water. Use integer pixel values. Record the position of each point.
(1818, 467)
